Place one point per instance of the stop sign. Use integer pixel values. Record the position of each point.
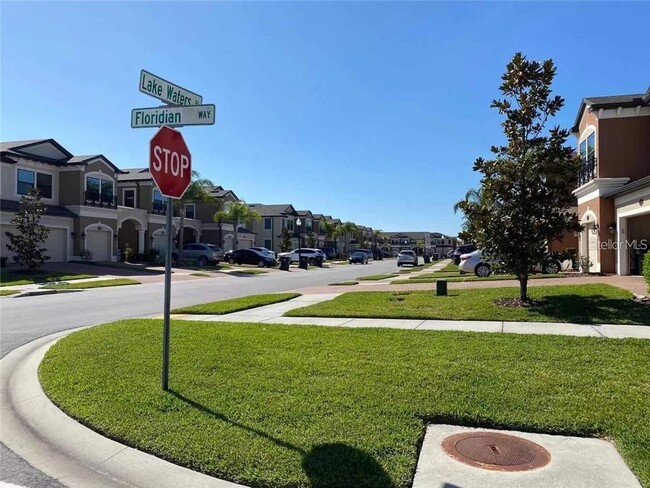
(170, 162)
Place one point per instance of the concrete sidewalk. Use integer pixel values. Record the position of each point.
(273, 314)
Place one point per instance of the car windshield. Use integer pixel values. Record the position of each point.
(214, 248)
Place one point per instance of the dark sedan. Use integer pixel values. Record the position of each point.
(358, 257)
(249, 256)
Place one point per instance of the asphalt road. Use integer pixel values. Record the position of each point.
(25, 319)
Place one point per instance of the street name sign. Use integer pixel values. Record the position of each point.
(173, 116)
(166, 91)
(170, 162)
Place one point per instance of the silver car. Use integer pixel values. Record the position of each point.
(407, 257)
(203, 253)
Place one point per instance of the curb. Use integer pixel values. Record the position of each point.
(76, 456)
(36, 293)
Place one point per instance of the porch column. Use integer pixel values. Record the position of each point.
(141, 241)
(623, 262)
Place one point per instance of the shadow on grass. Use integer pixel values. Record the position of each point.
(595, 309)
(326, 465)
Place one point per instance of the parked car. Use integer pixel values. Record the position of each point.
(358, 257)
(330, 252)
(249, 256)
(204, 253)
(460, 250)
(308, 252)
(367, 251)
(407, 257)
(475, 263)
(265, 251)
(450, 253)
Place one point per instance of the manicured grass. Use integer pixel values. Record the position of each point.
(12, 278)
(4, 293)
(237, 304)
(591, 304)
(376, 277)
(250, 271)
(344, 283)
(433, 277)
(93, 284)
(199, 273)
(284, 406)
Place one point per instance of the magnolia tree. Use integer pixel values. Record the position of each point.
(526, 186)
(27, 243)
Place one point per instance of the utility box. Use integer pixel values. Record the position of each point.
(441, 288)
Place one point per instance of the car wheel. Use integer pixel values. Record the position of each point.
(260, 263)
(399, 265)
(482, 270)
(311, 261)
(552, 268)
(231, 261)
(203, 261)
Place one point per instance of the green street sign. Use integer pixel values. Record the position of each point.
(167, 91)
(173, 116)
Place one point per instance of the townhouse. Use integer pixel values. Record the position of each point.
(613, 192)
(274, 219)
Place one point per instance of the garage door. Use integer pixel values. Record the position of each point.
(55, 244)
(99, 243)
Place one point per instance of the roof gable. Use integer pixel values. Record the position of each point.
(47, 150)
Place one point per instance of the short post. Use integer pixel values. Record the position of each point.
(441, 288)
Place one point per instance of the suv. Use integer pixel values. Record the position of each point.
(308, 252)
(248, 256)
(407, 257)
(367, 251)
(455, 257)
(203, 253)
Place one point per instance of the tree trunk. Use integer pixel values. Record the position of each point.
(220, 235)
(523, 288)
(236, 226)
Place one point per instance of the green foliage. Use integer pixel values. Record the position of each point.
(290, 406)
(646, 269)
(237, 304)
(199, 191)
(238, 213)
(311, 240)
(27, 244)
(285, 240)
(526, 187)
(128, 254)
(86, 255)
(93, 284)
(13, 278)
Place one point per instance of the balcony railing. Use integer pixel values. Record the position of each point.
(96, 199)
(159, 208)
(587, 170)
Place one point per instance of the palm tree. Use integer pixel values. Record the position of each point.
(472, 197)
(376, 234)
(328, 227)
(198, 191)
(237, 213)
(344, 229)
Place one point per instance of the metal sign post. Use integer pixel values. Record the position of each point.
(168, 296)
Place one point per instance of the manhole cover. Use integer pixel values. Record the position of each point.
(499, 452)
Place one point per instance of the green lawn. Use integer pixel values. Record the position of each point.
(4, 293)
(249, 271)
(12, 278)
(377, 277)
(93, 284)
(592, 304)
(237, 304)
(283, 406)
(344, 283)
(456, 277)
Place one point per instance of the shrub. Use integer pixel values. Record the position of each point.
(86, 255)
(646, 269)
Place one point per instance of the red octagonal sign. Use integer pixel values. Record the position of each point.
(170, 162)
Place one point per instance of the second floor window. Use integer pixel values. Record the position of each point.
(189, 211)
(129, 197)
(290, 224)
(267, 224)
(157, 197)
(32, 179)
(588, 146)
(99, 186)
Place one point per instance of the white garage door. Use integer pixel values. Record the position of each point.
(55, 244)
(99, 243)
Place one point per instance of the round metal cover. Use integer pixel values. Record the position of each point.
(494, 451)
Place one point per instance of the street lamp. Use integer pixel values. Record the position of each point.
(298, 224)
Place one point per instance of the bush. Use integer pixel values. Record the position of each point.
(86, 255)
(646, 269)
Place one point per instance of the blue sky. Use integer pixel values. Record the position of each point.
(371, 112)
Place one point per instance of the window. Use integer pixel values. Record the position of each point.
(157, 197)
(588, 146)
(189, 211)
(267, 223)
(290, 224)
(99, 186)
(129, 197)
(308, 225)
(30, 179)
(267, 243)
